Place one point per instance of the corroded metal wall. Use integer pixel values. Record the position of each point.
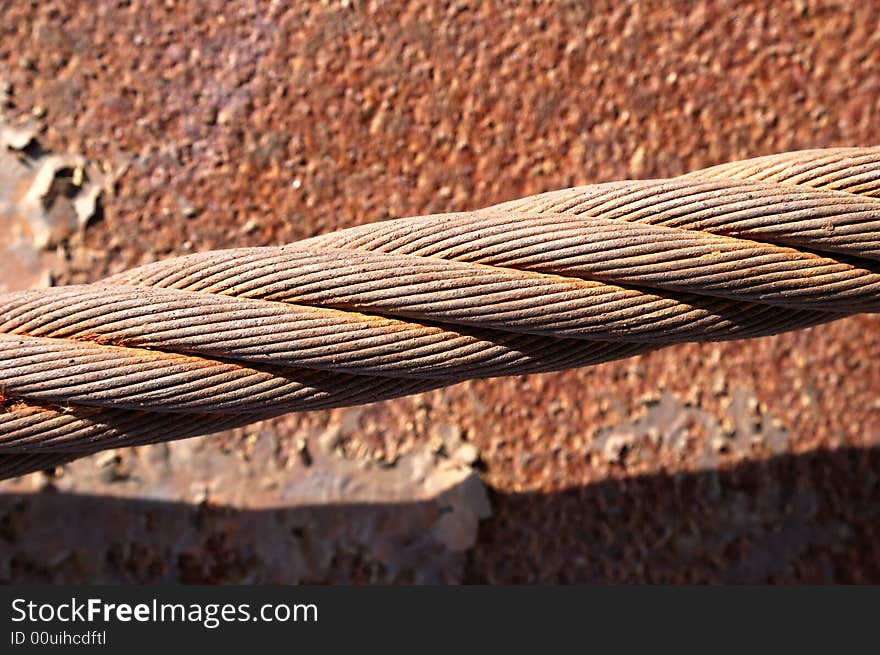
(242, 124)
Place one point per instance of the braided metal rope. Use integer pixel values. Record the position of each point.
(569, 278)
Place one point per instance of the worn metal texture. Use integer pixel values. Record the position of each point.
(44, 198)
(356, 316)
(247, 123)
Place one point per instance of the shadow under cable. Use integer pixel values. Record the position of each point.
(812, 518)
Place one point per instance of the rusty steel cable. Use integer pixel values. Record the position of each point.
(569, 278)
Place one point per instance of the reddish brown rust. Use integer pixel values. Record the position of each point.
(405, 108)
(400, 307)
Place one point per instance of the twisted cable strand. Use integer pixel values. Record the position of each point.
(568, 278)
(854, 170)
(809, 219)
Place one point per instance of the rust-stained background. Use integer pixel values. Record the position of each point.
(219, 124)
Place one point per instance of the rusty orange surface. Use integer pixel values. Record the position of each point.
(242, 123)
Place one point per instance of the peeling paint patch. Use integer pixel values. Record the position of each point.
(305, 520)
(44, 199)
(691, 431)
